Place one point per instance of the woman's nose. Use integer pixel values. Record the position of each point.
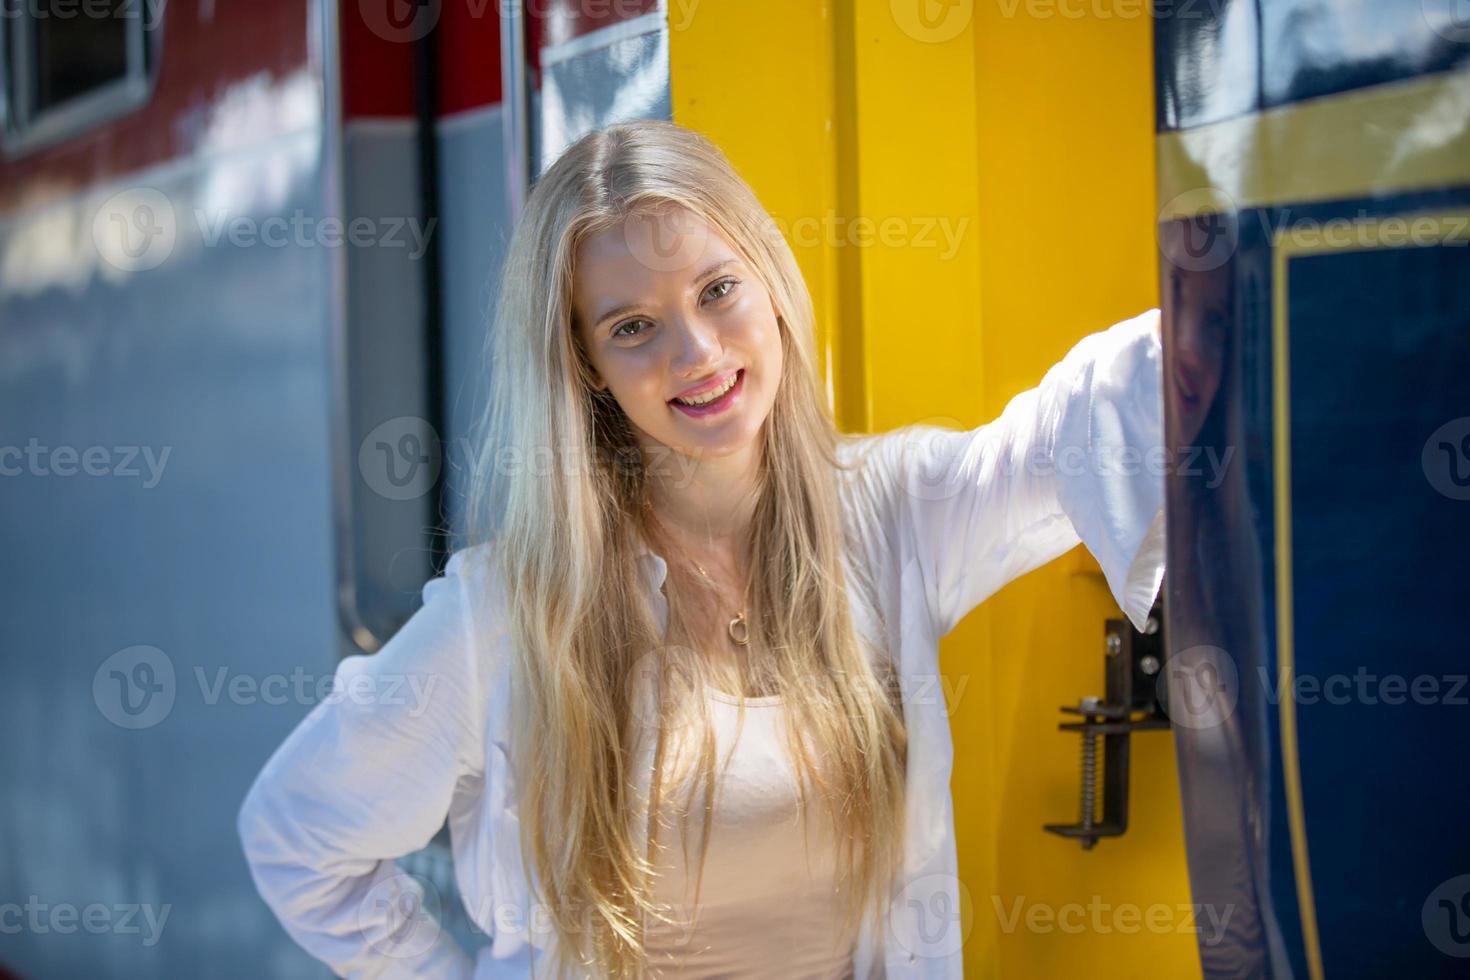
(699, 348)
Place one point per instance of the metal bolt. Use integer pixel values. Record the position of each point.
(1114, 644)
(1151, 626)
(1149, 665)
(1089, 785)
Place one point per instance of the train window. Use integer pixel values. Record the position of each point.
(72, 66)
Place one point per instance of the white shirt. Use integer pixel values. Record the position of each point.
(947, 518)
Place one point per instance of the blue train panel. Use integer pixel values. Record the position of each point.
(1315, 239)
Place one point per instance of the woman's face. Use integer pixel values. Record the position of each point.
(666, 309)
(1199, 309)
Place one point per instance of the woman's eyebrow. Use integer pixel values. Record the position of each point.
(631, 307)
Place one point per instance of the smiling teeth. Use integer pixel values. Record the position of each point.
(709, 396)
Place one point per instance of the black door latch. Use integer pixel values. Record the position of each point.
(1134, 665)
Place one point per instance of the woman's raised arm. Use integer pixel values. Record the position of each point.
(1078, 458)
(368, 776)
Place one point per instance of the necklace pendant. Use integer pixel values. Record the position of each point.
(739, 631)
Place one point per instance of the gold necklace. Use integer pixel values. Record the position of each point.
(739, 631)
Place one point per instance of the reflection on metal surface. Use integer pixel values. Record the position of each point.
(1408, 136)
(230, 186)
(594, 86)
(1316, 332)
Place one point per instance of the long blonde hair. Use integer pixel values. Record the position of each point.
(579, 603)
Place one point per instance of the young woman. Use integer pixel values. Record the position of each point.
(679, 699)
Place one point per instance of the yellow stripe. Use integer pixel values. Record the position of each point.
(1386, 139)
(1412, 229)
(1290, 765)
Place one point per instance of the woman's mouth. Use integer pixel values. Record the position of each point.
(1185, 382)
(726, 397)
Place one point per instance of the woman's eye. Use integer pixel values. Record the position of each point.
(731, 283)
(715, 291)
(618, 330)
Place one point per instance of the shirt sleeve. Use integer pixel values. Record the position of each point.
(366, 777)
(1077, 459)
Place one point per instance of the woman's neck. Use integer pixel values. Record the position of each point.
(706, 502)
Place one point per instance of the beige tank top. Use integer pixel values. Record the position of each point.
(768, 905)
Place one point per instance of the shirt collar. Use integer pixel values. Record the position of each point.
(651, 557)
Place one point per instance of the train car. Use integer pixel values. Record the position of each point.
(247, 257)
(248, 252)
(1314, 204)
